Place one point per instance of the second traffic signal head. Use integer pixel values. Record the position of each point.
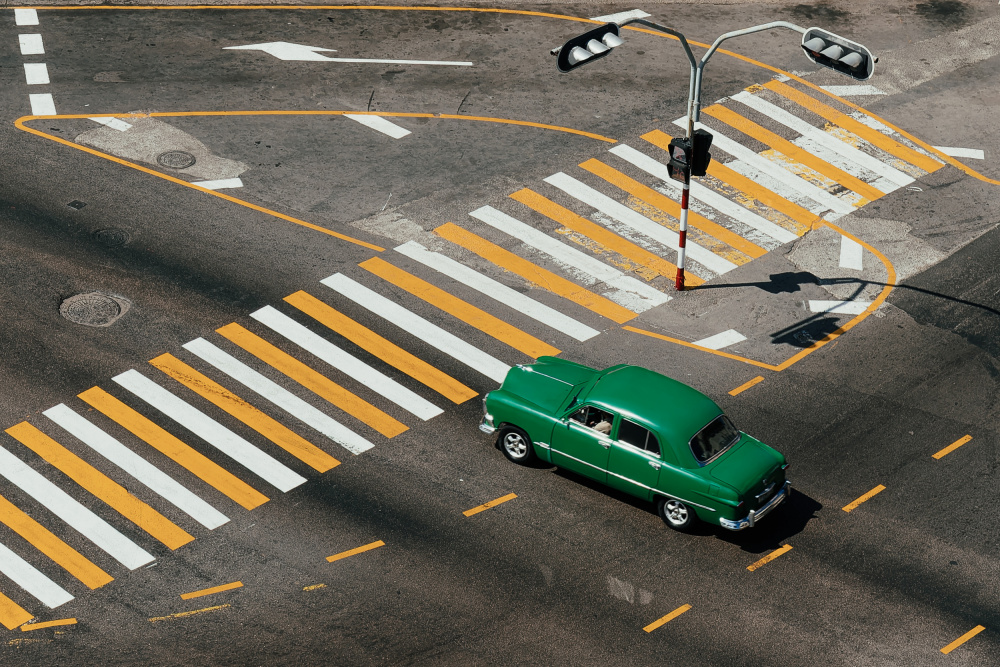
(589, 46)
(833, 51)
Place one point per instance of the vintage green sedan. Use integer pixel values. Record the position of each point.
(642, 433)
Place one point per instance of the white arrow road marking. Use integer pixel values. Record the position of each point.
(289, 51)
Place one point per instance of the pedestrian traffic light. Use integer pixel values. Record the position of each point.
(589, 46)
(680, 159)
(833, 51)
(701, 141)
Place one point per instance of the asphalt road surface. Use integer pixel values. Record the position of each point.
(259, 267)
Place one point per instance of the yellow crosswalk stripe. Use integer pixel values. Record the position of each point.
(274, 431)
(101, 486)
(872, 136)
(172, 447)
(449, 303)
(800, 155)
(600, 235)
(803, 216)
(11, 614)
(534, 273)
(389, 352)
(313, 380)
(671, 207)
(45, 541)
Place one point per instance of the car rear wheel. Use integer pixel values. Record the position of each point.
(516, 445)
(675, 514)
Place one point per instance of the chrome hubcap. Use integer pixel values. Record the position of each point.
(515, 444)
(676, 512)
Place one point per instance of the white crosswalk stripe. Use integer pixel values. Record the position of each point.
(31, 580)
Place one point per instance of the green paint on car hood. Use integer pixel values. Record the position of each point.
(546, 383)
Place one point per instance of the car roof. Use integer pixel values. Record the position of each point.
(671, 408)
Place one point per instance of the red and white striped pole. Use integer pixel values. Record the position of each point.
(683, 232)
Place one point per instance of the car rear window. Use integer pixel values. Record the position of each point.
(716, 437)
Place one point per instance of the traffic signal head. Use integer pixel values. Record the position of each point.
(833, 51)
(701, 141)
(680, 159)
(589, 46)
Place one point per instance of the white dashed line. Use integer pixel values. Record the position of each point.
(36, 73)
(839, 307)
(379, 124)
(25, 17)
(42, 104)
(220, 185)
(851, 254)
(721, 340)
(31, 44)
(860, 89)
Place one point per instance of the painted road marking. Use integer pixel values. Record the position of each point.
(856, 89)
(534, 274)
(229, 402)
(621, 17)
(313, 587)
(136, 466)
(280, 396)
(72, 512)
(746, 385)
(346, 363)
(320, 385)
(355, 551)
(492, 503)
(211, 591)
(721, 340)
(31, 580)
(379, 124)
(498, 291)
(170, 446)
(11, 614)
(974, 153)
(768, 558)
(31, 44)
(851, 254)
(637, 222)
(25, 17)
(703, 194)
(221, 184)
(961, 640)
(45, 541)
(666, 619)
(459, 309)
(185, 614)
(868, 496)
(417, 326)
(113, 123)
(36, 74)
(289, 51)
(839, 307)
(42, 104)
(952, 447)
(253, 459)
(101, 486)
(28, 627)
(390, 353)
(634, 295)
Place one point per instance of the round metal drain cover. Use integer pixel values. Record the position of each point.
(93, 309)
(112, 237)
(176, 159)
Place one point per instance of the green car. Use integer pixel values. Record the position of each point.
(642, 433)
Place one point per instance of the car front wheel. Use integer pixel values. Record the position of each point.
(516, 445)
(675, 514)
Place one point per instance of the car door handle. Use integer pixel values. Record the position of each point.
(605, 443)
(654, 465)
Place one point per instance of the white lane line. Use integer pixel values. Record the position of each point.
(417, 326)
(57, 501)
(839, 307)
(220, 184)
(775, 170)
(113, 123)
(973, 153)
(497, 290)
(31, 44)
(25, 17)
(36, 74)
(721, 340)
(379, 124)
(206, 428)
(621, 17)
(638, 222)
(278, 395)
(42, 104)
(136, 466)
(346, 363)
(857, 89)
(31, 580)
(851, 255)
(822, 140)
(638, 295)
(702, 194)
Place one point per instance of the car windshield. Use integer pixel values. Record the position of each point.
(719, 435)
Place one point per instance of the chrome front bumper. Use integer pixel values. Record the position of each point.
(757, 515)
(486, 425)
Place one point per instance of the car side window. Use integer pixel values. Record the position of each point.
(638, 436)
(595, 418)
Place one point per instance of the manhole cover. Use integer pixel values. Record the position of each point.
(175, 159)
(93, 309)
(112, 237)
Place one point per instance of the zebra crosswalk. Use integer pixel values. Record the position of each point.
(303, 383)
